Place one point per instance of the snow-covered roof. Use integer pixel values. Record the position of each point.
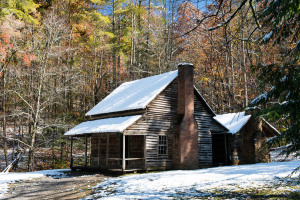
(234, 122)
(117, 124)
(133, 95)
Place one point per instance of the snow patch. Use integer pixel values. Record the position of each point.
(252, 108)
(261, 97)
(233, 121)
(8, 178)
(268, 36)
(218, 25)
(277, 156)
(283, 79)
(298, 46)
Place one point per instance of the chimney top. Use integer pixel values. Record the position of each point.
(185, 64)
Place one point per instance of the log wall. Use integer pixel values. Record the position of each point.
(158, 120)
(203, 118)
(206, 126)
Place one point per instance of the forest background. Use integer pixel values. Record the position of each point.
(59, 58)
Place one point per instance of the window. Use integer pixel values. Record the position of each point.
(162, 145)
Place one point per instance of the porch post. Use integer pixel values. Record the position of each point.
(145, 151)
(71, 162)
(99, 150)
(85, 153)
(123, 158)
(107, 149)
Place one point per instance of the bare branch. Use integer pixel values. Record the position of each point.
(254, 15)
(253, 32)
(199, 22)
(26, 102)
(8, 138)
(230, 18)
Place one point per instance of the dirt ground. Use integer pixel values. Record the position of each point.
(75, 185)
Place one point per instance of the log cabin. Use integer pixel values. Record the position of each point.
(248, 137)
(155, 123)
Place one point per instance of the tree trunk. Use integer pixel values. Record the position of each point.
(114, 46)
(243, 64)
(4, 120)
(31, 148)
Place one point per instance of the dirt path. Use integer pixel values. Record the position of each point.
(75, 185)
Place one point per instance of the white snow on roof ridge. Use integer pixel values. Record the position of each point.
(107, 125)
(234, 122)
(133, 95)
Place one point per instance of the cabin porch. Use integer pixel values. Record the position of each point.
(108, 151)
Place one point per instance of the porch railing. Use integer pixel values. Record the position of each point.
(127, 164)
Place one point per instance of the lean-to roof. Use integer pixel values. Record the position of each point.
(108, 125)
(234, 122)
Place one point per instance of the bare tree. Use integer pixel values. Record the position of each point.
(37, 86)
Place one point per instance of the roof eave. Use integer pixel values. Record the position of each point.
(118, 114)
(271, 127)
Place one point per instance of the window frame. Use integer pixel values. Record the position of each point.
(162, 145)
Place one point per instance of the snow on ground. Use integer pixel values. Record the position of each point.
(193, 183)
(7, 178)
(276, 155)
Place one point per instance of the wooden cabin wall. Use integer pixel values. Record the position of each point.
(262, 152)
(235, 148)
(254, 134)
(158, 120)
(248, 145)
(203, 118)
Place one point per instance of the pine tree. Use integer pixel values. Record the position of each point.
(282, 76)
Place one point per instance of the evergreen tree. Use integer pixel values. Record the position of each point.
(279, 20)
(283, 75)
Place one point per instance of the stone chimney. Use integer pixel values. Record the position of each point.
(185, 155)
